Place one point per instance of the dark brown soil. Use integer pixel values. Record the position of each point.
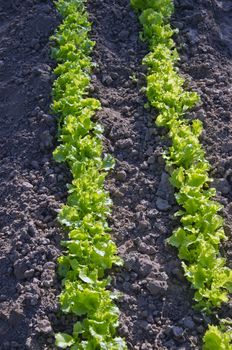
(206, 52)
(156, 306)
(32, 187)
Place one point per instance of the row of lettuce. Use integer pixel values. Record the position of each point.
(201, 230)
(90, 252)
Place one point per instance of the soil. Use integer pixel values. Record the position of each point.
(206, 62)
(155, 308)
(32, 186)
(156, 303)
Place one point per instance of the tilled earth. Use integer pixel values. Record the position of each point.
(32, 186)
(206, 61)
(156, 306)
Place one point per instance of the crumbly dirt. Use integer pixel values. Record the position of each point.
(205, 40)
(156, 303)
(32, 186)
(156, 307)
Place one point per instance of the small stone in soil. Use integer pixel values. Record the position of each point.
(187, 322)
(121, 175)
(156, 287)
(178, 332)
(162, 204)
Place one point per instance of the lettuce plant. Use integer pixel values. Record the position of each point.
(201, 232)
(218, 338)
(201, 227)
(90, 251)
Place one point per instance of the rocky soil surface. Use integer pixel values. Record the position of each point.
(32, 186)
(156, 304)
(157, 301)
(205, 41)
